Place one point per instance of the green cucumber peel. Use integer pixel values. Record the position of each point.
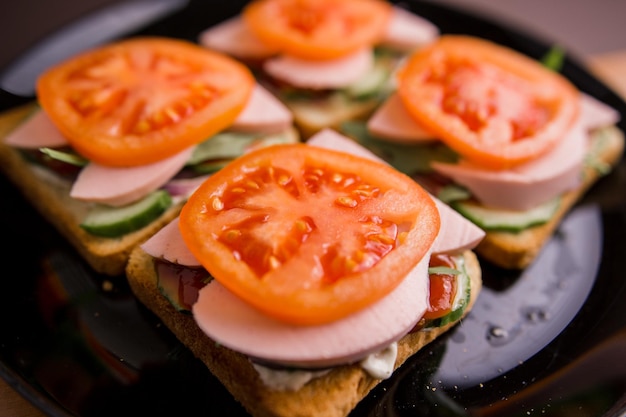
(107, 221)
(453, 192)
(376, 83)
(492, 219)
(68, 157)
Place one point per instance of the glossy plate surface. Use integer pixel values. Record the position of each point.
(550, 341)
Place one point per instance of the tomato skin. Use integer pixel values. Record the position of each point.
(443, 288)
(141, 100)
(309, 235)
(318, 29)
(493, 105)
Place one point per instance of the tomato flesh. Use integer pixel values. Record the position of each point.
(491, 104)
(318, 29)
(309, 235)
(443, 288)
(496, 95)
(142, 100)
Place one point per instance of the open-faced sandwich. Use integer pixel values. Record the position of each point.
(304, 274)
(506, 141)
(327, 60)
(122, 134)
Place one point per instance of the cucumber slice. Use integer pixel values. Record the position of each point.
(378, 81)
(109, 221)
(506, 220)
(371, 84)
(461, 298)
(70, 157)
(453, 192)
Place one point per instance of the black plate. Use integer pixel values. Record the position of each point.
(550, 341)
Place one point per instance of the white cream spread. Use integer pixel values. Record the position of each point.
(379, 365)
(287, 379)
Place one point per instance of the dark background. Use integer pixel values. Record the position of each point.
(585, 27)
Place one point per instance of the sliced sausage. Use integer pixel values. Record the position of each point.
(117, 186)
(36, 132)
(336, 73)
(264, 113)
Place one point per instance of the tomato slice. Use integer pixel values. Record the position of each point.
(443, 288)
(491, 104)
(309, 235)
(141, 100)
(318, 29)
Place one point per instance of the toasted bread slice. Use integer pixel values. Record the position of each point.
(316, 110)
(50, 196)
(334, 394)
(518, 250)
(311, 117)
(512, 249)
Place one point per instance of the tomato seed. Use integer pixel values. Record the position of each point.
(346, 201)
(141, 127)
(217, 204)
(232, 234)
(302, 226)
(350, 264)
(273, 262)
(283, 180)
(253, 185)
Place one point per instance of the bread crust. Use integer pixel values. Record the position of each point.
(109, 255)
(51, 199)
(509, 250)
(333, 395)
(518, 250)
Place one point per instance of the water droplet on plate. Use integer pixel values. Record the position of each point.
(535, 314)
(497, 336)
